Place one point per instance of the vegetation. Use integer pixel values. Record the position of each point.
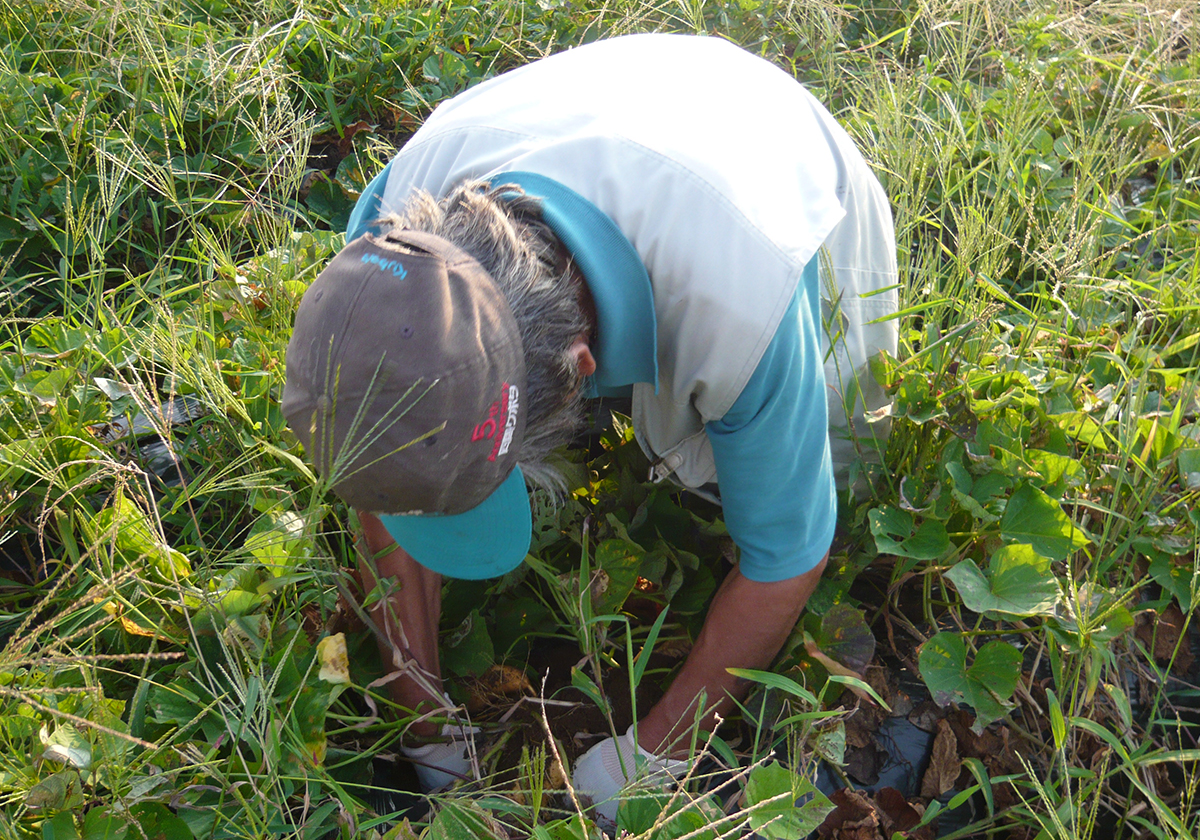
(183, 654)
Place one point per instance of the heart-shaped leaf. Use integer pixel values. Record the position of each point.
(1019, 582)
(1034, 518)
(615, 573)
(845, 636)
(894, 534)
(772, 794)
(985, 685)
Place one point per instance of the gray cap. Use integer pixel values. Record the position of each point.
(406, 383)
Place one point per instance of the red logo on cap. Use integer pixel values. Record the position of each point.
(490, 429)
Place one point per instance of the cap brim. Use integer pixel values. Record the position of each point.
(487, 541)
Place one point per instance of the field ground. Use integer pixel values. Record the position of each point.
(1004, 644)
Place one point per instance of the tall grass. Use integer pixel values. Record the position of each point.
(172, 175)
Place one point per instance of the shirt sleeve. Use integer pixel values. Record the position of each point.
(772, 451)
(366, 209)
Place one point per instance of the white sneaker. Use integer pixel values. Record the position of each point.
(441, 763)
(610, 765)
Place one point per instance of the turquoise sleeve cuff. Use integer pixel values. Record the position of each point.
(367, 208)
(772, 451)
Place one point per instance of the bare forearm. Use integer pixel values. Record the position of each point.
(746, 626)
(407, 619)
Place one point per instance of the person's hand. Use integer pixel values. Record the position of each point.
(610, 765)
(442, 762)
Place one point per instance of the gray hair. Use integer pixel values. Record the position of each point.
(502, 228)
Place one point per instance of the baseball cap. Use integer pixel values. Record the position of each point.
(406, 383)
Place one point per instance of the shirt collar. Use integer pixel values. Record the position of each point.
(626, 348)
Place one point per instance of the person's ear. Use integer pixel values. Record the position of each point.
(584, 360)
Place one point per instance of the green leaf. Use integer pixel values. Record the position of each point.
(615, 571)
(1079, 627)
(845, 636)
(1019, 582)
(961, 491)
(173, 703)
(24, 455)
(1083, 428)
(1057, 471)
(571, 828)
(350, 173)
(468, 651)
(18, 727)
(777, 682)
(1058, 725)
(894, 534)
(670, 817)
(460, 821)
(279, 541)
(689, 591)
(328, 199)
(46, 387)
(158, 823)
(772, 792)
(1174, 578)
(860, 687)
(587, 686)
(317, 823)
(986, 685)
(1117, 622)
(1121, 701)
(516, 621)
(1188, 462)
(67, 746)
(1042, 142)
(640, 811)
(308, 722)
(830, 744)
(979, 771)
(57, 792)
(638, 814)
(61, 827)
(101, 824)
(129, 529)
(1034, 518)
(643, 656)
(913, 397)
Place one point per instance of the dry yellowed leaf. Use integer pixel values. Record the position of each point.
(335, 664)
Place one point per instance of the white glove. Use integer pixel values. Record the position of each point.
(443, 762)
(601, 772)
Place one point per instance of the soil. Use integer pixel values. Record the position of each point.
(575, 721)
(895, 763)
